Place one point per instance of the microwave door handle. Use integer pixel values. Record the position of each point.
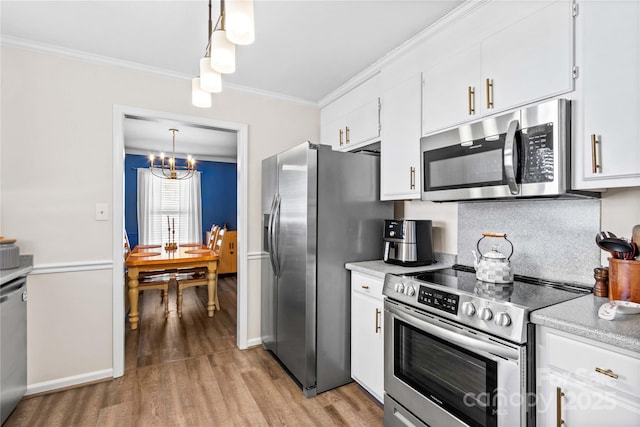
(511, 157)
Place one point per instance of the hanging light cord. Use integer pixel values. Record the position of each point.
(207, 51)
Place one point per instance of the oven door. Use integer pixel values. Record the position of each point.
(448, 375)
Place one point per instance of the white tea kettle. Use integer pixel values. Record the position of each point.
(493, 266)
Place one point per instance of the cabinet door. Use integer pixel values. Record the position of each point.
(451, 92)
(529, 60)
(228, 254)
(400, 143)
(362, 125)
(573, 403)
(609, 68)
(367, 338)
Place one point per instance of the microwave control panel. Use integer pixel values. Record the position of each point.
(441, 300)
(538, 153)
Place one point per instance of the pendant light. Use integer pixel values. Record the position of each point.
(239, 21)
(223, 52)
(220, 53)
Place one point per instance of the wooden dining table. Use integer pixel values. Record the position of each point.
(145, 258)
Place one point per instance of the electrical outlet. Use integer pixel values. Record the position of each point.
(102, 211)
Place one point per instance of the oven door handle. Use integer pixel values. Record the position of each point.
(468, 343)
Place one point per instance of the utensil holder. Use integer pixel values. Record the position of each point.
(624, 280)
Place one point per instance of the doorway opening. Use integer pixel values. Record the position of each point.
(240, 130)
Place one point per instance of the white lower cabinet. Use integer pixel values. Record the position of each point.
(581, 382)
(367, 333)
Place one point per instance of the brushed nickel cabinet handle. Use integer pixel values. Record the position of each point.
(607, 372)
(559, 395)
(412, 178)
(594, 153)
(365, 286)
(472, 95)
(340, 137)
(346, 133)
(489, 93)
(378, 320)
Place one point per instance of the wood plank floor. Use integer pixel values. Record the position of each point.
(189, 372)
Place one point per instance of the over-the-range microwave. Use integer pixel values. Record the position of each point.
(522, 153)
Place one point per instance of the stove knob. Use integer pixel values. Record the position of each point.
(485, 313)
(468, 308)
(410, 291)
(399, 288)
(503, 319)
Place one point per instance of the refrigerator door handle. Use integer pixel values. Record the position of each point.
(276, 234)
(270, 233)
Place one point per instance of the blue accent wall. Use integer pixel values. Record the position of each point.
(219, 185)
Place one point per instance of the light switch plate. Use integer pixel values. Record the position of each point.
(102, 211)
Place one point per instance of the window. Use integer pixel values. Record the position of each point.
(165, 204)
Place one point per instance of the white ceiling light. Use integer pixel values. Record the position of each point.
(223, 52)
(239, 21)
(199, 97)
(220, 53)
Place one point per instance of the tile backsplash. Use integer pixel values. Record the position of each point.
(552, 239)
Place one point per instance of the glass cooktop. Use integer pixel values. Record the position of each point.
(525, 291)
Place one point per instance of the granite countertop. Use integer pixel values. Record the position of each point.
(579, 316)
(26, 265)
(379, 268)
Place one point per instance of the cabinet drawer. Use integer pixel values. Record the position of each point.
(595, 364)
(365, 284)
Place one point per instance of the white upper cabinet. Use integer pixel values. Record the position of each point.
(526, 61)
(400, 143)
(607, 125)
(451, 93)
(353, 120)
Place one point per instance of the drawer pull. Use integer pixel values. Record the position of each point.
(559, 395)
(365, 286)
(607, 372)
(378, 312)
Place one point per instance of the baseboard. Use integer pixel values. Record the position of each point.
(71, 381)
(254, 342)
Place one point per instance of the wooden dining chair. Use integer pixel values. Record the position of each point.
(198, 277)
(148, 280)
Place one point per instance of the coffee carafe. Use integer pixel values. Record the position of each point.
(408, 242)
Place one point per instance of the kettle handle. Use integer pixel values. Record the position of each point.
(503, 235)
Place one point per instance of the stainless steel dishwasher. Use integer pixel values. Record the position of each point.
(13, 345)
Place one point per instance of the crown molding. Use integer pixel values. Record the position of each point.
(105, 60)
(465, 8)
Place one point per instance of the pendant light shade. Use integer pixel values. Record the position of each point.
(223, 53)
(239, 21)
(210, 80)
(199, 98)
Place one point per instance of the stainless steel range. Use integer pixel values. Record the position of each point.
(459, 351)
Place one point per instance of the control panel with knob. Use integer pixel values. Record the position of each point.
(503, 319)
(468, 308)
(399, 288)
(485, 313)
(410, 290)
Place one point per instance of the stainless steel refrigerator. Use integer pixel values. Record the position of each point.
(321, 209)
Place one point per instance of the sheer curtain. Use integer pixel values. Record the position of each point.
(165, 203)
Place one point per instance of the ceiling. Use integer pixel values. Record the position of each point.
(304, 49)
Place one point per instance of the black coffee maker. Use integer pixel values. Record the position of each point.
(408, 242)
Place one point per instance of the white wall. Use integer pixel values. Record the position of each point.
(56, 164)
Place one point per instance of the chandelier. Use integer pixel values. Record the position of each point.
(167, 168)
(234, 27)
